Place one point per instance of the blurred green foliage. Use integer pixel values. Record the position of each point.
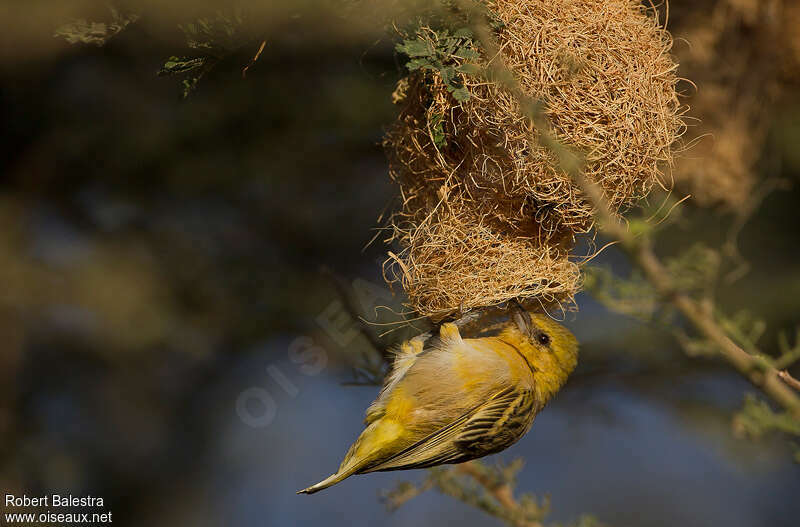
(81, 31)
(757, 419)
(214, 39)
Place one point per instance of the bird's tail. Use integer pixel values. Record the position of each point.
(359, 458)
(333, 479)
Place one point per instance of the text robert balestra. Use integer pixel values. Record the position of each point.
(53, 500)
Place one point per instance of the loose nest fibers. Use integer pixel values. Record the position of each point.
(486, 215)
(757, 44)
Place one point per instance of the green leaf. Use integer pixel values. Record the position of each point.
(189, 85)
(447, 75)
(437, 130)
(461, 94)
(471, 69)
(176, 65)
(419, 64)
(468, 53)
(414, 48)
(446, 53)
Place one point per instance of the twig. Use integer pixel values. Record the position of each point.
(502, 492)
(640, 250)
(404, 493)
(490, 489)
(254, 59)
(788, 379)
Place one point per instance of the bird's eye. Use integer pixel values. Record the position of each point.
(543, 338)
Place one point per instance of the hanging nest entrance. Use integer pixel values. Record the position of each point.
(486, 215)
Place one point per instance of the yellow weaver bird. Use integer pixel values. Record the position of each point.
(450, 400)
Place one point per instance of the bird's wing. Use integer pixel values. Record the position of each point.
(498, 426)
(486, 428)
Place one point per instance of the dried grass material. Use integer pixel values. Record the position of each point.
(743, 55)
(718, 169)
(457, 261)
(603, 71)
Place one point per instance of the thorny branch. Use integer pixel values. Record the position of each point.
(502, 491)
(640, 250)
(485, 487)
(788, 379)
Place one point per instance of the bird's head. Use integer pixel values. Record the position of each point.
(551, 350)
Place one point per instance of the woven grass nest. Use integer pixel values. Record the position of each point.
(486, 215)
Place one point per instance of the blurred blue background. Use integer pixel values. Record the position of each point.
(160, 257)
